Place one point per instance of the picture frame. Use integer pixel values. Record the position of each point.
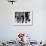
(22, 21)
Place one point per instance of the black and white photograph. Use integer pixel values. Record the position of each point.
(23, 18)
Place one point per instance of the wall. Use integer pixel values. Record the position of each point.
(9, 31)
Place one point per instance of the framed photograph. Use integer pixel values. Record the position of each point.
(23, 18)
